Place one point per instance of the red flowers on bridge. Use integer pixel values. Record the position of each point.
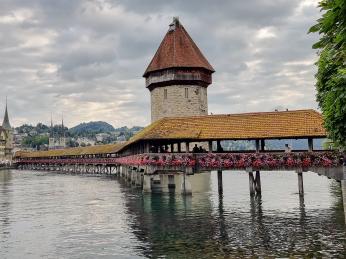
(260, 161)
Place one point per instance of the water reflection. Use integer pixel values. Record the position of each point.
(192, 226)
(47, 215)
(5, 202)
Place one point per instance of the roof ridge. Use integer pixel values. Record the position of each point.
(240, 114)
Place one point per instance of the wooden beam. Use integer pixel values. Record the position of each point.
(263, 144)
(257, 145)
(210, 146)
(311, 144)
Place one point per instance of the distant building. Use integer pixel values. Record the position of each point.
(57, 140)
(178, 76)
(84, 141)
(6, 138)
(121, 138)
(101, 136)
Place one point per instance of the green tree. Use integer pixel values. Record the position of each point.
(331, 74)
(35, 141)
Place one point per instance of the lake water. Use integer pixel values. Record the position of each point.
(47, 215)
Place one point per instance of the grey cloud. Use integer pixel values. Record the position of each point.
(86, 58)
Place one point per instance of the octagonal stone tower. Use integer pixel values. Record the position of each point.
(178, 76)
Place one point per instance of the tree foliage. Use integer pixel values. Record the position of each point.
(331, 74)
(35, 142)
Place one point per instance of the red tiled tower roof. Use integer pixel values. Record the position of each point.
(177, 49)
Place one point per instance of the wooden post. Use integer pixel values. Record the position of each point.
(258, 183)
(146, 147)
(210, 146)
(251, 183)
(218, 146)
(263, 144)
(186, 188)
(179, 147)
(300, 182)
(219, 181)
(257, 145)
(187, 147)
(146, 183)
(311, 144)
(171, 183)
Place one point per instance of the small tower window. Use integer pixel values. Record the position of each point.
(186, 92)
(165, 93)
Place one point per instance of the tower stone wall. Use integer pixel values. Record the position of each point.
(178, 101)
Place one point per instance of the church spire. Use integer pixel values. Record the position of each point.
(62, 125)
(51, 126)
(6, 123)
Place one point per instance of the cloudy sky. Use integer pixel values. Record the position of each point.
(85, 58)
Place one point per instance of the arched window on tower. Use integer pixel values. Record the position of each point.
(186, 92)
(165, 93)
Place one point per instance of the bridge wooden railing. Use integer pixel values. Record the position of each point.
(212, 161)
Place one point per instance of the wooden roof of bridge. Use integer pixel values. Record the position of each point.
(257, 125)
(76, 151)
(243, 126)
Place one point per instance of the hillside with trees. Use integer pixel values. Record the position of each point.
(89, 128)
(37, 137)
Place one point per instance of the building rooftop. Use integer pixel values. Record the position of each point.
(177, 49)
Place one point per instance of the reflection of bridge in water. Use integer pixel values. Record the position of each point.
(173, 138)
(162, 221)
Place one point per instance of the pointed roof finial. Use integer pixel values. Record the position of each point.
(62, 124)
(174, 24)
(51, 125)
(6, 122)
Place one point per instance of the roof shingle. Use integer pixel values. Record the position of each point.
(269, 125)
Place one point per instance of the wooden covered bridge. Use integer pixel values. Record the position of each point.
(166, 148)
